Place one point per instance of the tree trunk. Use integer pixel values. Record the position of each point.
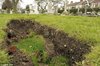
(8, 10)
(65, 7)
(56, 10)
(15, 9)
(15, 2)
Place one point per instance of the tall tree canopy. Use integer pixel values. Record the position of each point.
(15, 3)
(42, 5)
(10, 4)
(7, 5)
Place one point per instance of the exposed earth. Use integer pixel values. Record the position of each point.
(57, 42)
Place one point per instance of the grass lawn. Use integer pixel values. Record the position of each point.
(83, 28)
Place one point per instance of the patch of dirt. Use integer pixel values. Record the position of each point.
(57, 42)
(49, 47)
(14, 34)
(21, 59)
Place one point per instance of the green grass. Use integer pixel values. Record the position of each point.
(3, 57)
(31, 44)
(83, 28)
(86, 28)
(58, 61)
(34, 44)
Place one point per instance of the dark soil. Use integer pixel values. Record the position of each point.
(14, 34)
(58, 42)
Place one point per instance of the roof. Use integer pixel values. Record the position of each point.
(90, 0)
(83, 2)
(96, 1)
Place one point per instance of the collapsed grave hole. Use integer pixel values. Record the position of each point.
(57, 42)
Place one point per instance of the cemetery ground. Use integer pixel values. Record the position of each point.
(81, 30)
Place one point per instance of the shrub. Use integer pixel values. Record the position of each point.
(82, 10)
(96, 9)
(73, 11)
(60, 10)
(89, 10)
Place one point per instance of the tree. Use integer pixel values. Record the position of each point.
(7, 5)
(73, 11)
(65, 5)
(10, 4)
(61, 10)
(15, 3)
(42, 5)
(87, 5)
(55, 5)
(47, 5)
(27, 9)
(96, 9)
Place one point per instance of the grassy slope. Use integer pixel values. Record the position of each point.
(83, 28)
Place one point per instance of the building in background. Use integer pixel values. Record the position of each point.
(95, 4)
(82, 3)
